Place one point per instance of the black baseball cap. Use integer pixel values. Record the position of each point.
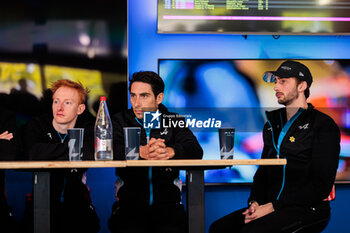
(290, 69)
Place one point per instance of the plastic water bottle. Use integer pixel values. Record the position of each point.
(103, 133)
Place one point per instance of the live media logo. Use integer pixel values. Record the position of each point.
(151, 120)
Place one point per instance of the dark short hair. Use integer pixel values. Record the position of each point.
(150, 78)
(307, 90)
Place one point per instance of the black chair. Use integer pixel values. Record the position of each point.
(315, 227)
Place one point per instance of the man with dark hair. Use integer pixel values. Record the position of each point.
(149, 199)
(287, 198)
(46, 139)
(151, 78)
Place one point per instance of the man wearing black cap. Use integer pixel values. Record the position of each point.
(284, 199)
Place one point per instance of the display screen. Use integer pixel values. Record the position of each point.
(233, 92)
(254, 17)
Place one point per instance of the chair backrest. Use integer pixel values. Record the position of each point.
(331, 196)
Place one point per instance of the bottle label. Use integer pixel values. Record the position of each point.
(101, 145)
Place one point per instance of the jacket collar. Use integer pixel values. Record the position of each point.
(275, 115)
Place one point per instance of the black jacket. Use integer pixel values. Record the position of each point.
(8, 123)
(7, 153)
(311, 147)
(136, 182)
(42, 142)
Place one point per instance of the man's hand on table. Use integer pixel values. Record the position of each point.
(156, 150)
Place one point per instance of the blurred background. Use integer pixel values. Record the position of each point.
(42, 42)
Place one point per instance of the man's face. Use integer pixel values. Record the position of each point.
(65, 106)
(142, 99)
(286, 90)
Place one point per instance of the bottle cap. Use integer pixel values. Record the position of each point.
(103, 98)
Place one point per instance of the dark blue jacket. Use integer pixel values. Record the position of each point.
(137, 182)
(311, 147)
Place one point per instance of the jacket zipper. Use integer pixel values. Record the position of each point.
(282, 135)
(150, 168)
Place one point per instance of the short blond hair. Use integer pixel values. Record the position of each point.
(82, 92)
